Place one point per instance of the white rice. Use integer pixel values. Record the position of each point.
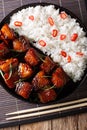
(40, 29)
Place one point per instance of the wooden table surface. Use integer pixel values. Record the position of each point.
(76, 122)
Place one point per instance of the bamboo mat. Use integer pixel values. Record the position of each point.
(9, 103)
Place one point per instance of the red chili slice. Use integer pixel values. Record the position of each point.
(31, 17)
(79, 53)
(42, 43)
(54, 32)
(63, 53)
(50, 20)
(63, 15)
(74, 37)
(18, 23)
(69, 59)
(62, 36)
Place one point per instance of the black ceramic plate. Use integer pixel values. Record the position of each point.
(71, 86)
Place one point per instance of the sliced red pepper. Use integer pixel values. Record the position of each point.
(31, 17)
(42, 43)
(69, 59)
(18, 23)
(62, 36)
(79, 53)
(54, 32)
(63, 15)
(63, 53)
(51, 21)
(74, 37)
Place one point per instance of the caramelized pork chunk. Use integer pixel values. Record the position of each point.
(3, 50)
(21, 44)
(8, 64)
(48, 65)
(59, 78)
(10, 79)
(47, 95)
(24, 70)
(2, 38)
(7, 32)
(40, 81)
(31, 57)
(23, 89)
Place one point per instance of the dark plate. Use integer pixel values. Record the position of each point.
(71, 86)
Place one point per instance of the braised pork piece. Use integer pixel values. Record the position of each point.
(21, 44)
(25, 72)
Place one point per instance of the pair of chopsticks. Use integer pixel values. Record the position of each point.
(47, 109)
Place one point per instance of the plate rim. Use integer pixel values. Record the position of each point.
(61, 8)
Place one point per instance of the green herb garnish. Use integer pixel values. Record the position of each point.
(2, 74)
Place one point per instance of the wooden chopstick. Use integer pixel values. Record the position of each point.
(48, 107)
(47, 111)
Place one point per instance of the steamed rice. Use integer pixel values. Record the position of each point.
(40, 29)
